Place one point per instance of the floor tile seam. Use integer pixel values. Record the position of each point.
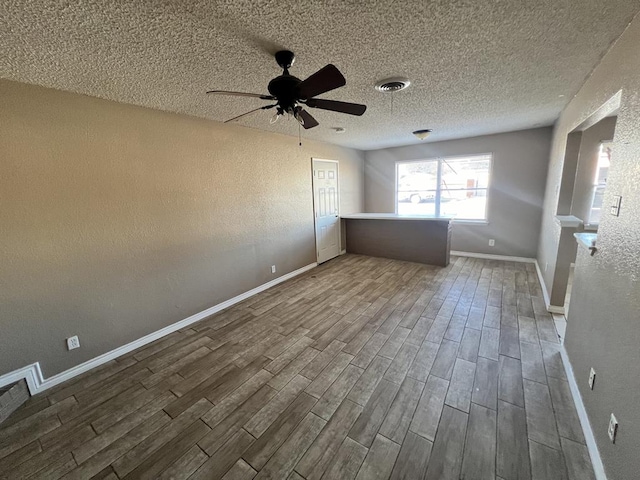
(553, 410)
(284, 441)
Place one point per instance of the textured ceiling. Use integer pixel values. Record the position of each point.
(476, 66)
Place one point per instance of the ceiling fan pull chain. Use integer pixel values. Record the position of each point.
(299, 135)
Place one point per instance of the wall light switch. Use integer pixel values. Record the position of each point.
(615, 207)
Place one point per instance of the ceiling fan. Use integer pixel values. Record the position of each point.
(291, 94)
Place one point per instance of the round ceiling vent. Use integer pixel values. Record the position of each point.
(394, 84)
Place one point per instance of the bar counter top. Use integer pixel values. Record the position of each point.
(392, 216)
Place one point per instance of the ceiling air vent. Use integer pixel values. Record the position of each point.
(394, 84)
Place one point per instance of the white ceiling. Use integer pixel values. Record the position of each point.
(476, 66)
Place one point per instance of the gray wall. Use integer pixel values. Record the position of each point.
(570, 164)
(604, 320)
(116, 221)
(587, 165)
(516, 192)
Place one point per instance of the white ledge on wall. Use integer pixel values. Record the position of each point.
(568, 221)
(33, 375)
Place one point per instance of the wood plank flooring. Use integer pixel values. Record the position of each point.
(363, 368)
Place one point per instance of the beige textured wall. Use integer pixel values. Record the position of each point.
(516, 190)
(604, 321)
(116, 221)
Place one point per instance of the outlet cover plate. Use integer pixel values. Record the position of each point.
(492, 242)
(273, 269)
(73, 342)
(613, 428)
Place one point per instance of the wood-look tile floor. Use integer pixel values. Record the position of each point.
(362, 368)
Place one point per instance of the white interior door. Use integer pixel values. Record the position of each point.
(326, 202)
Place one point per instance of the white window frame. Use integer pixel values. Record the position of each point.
(440, 160)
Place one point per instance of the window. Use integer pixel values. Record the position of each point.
(444, 187)
(600, 182)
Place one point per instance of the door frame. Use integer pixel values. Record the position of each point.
(313, 196)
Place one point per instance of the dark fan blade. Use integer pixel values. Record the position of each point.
(336, 106)
(324, 80)
(307, 120)
(250, 112)
(241, 94)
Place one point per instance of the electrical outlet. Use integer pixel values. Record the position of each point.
(73, 342)
(592, 378)
(273, 269)
(492, 242)
(613, 428)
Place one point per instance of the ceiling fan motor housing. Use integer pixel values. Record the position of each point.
(285, 89)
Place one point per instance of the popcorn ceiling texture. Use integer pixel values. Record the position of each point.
(477, 67)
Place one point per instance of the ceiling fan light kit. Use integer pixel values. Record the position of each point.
(292, 94)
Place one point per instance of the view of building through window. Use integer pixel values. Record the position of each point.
(600, 182)
(444, 187)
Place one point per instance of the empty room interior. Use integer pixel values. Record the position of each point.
(320, 240)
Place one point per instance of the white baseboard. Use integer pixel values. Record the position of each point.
(37, 383)
(490, 256)
(31, 373)
(592, 446)
(545, 294)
